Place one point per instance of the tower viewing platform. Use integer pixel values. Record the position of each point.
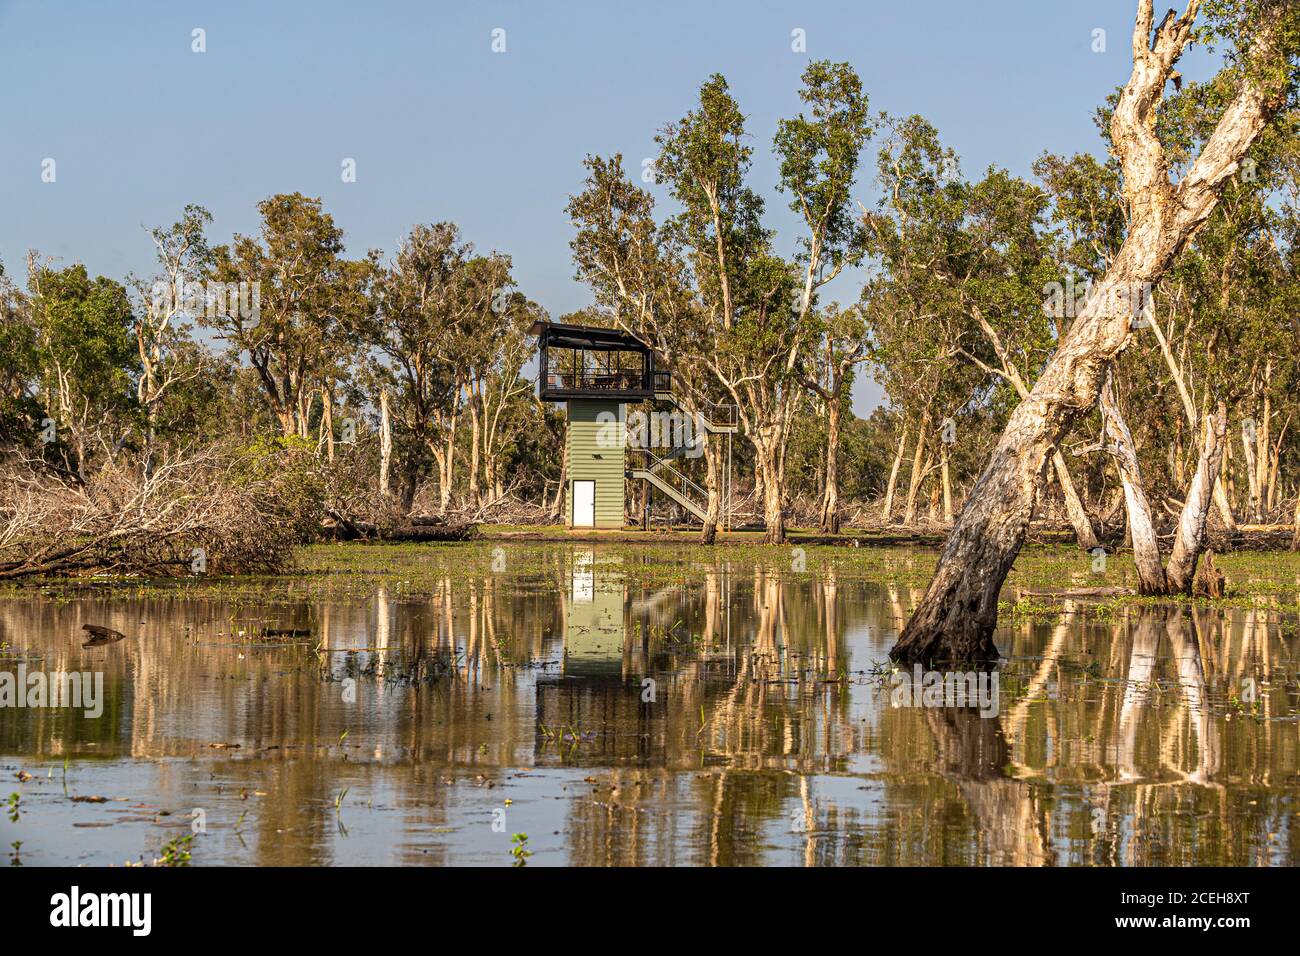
(585, 362)
(597, 372)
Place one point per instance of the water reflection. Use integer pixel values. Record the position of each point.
(623, 709)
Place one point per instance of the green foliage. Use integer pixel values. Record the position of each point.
(176, 852)
(520, 850)
(84, 329)
(312, 301)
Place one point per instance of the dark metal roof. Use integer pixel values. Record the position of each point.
(591, 337)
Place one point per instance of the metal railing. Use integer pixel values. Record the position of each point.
(643, 459)
(591, 380)
(728, 415)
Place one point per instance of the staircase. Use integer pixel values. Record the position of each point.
(664, 475)
(661, 473)
(716, 419)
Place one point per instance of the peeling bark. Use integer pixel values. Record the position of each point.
(830, 516)
(773, 498)
(919, 465)
(1191, 524)
(713, 484)
(886, 510)
(947, 483)
(1252, 473)
(1084, 533)
(958, 613)
(1146, 548)
(385, 441)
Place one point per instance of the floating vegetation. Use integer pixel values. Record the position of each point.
(520, 850)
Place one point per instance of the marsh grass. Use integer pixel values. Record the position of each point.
(356, 571)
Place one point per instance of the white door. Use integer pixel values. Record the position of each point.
(584, 504)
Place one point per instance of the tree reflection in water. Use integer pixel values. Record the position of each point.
(723, 710)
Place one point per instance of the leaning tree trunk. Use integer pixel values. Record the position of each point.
(830, 517)
(956, 617)
(887, 509)
(1084, 533)
(914, 491)
(1146, 548)
(1190, 540)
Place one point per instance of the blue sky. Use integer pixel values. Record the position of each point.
(443, 128)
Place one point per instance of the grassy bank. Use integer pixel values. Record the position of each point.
(1041, 579)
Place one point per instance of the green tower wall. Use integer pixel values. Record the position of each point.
(591, 460)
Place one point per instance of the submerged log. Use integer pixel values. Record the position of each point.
(100, 635)
(461, 531)
(1104, 591)
(415, 528)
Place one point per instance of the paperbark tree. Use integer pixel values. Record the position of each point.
(843, 347)
(1190, 540)
(1002, 267)
(919, 462)
(428, 335)
(311, 299)
(958, 613)
(759, 304)
(638, 274)
(1142, 531)
(1084, 533)
(748, 338)
(886, 509)
(497, 387)
(706, 288)
(163, 310)
(913, 304)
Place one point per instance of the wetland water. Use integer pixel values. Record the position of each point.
(648, 705)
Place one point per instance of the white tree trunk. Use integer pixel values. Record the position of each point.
(385, 442)
(958, 613)
(1190, 541)
(1146, 548)
(886, 510)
